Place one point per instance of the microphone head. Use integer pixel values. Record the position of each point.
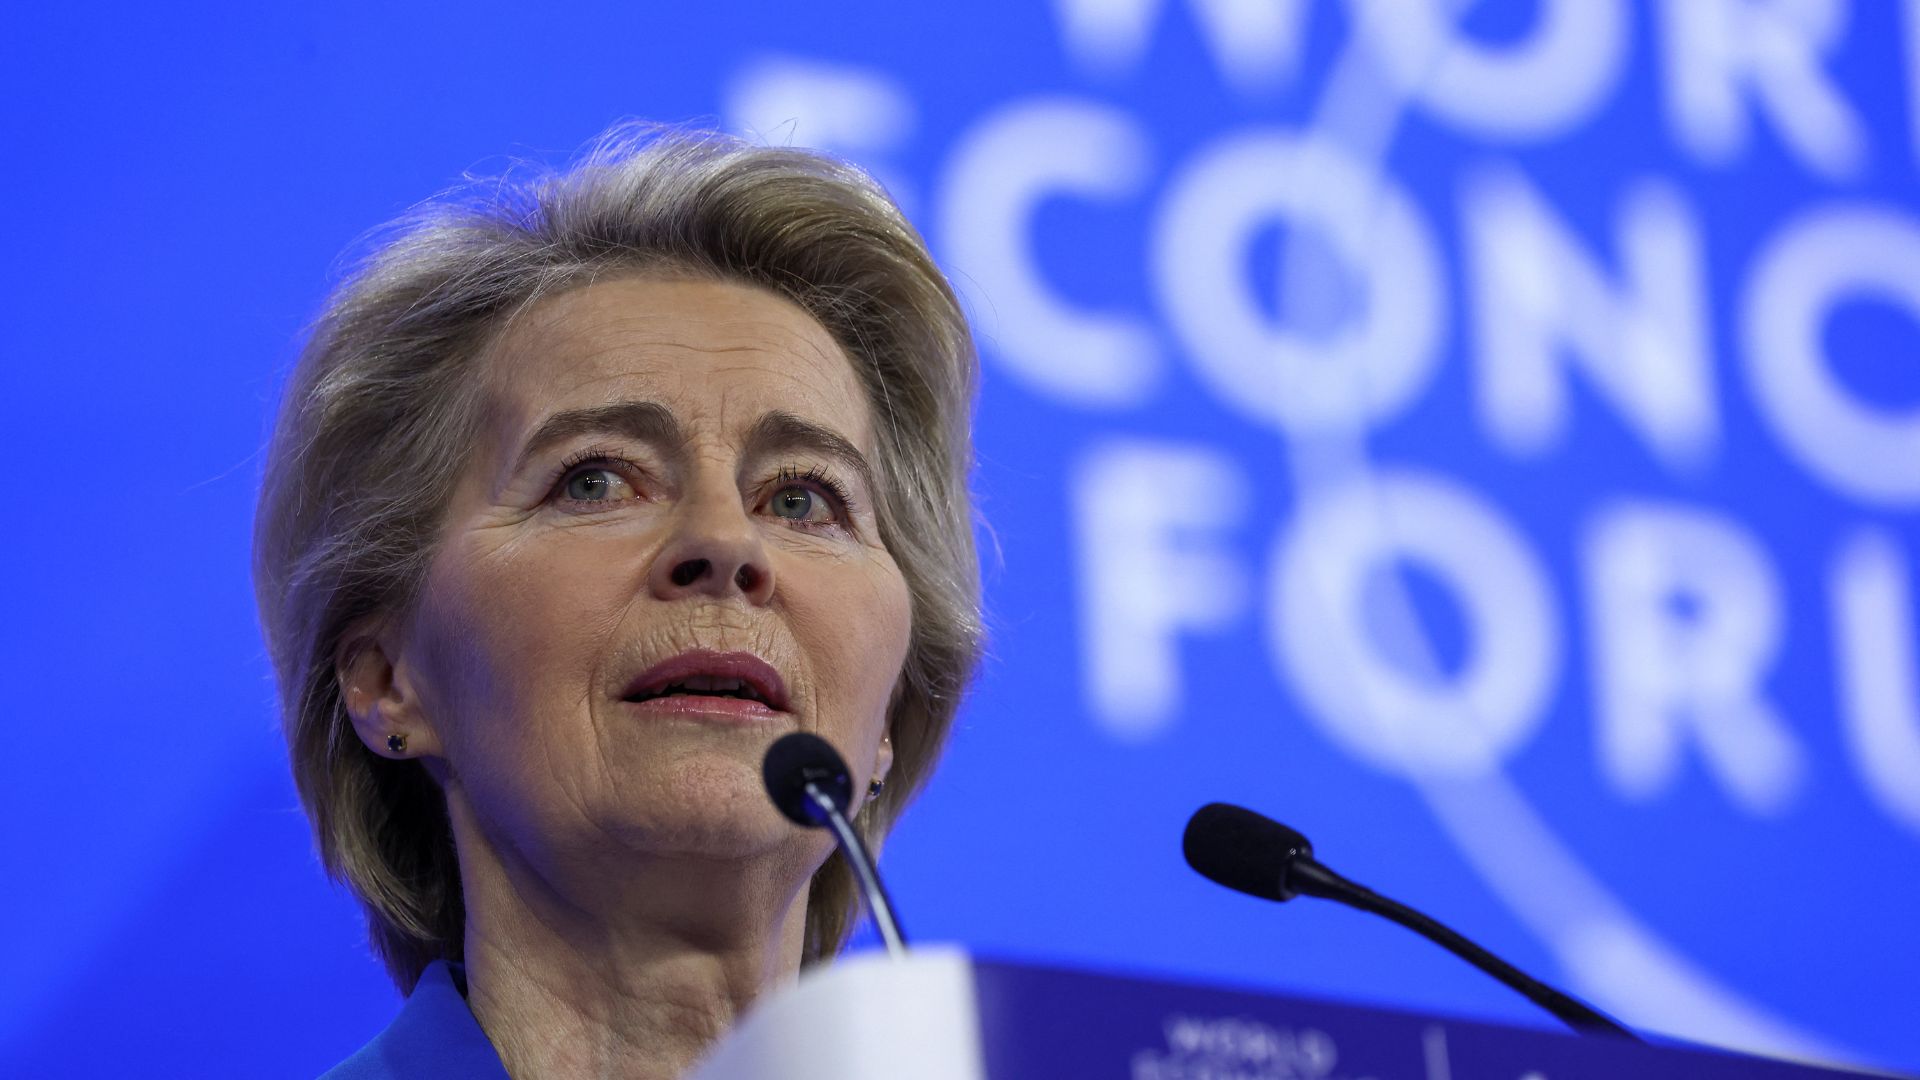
(1244, 851)
(796, 760)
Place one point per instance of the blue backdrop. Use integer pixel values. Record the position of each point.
(1488, 441)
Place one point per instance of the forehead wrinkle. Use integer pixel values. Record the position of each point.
(667, 326)
(642, 323)
(593, 344)
(613, 360)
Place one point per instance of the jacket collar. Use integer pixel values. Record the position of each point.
(435, 1036)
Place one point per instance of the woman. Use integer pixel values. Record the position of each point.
(587, 487)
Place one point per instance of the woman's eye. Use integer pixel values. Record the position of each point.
(796, 503)
(596, 485)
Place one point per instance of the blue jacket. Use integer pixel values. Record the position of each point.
(434, 1036)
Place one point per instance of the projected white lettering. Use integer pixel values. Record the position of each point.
(1873, 605)
(1375, 360)
(1725, 59)
(1686, 619)
(1821, 261)
(1153, 530)
(1256, 44)
(1550, 81)
(1356, 656)
(1541, 303)
(998, 175)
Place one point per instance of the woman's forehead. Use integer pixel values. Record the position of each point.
(718, 354)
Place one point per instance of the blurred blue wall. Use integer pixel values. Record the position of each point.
(1491, 444)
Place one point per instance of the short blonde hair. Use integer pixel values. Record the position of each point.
(387, 393)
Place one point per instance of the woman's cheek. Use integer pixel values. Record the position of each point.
(891, 625)
(508, 624)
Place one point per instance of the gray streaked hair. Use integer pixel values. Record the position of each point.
(384, 404)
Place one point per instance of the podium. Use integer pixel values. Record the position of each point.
(942, 1015)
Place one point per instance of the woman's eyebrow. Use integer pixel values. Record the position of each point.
(783, 432)
(641, 421)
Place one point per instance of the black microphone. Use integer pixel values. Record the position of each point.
(808, 781)
(1254, 854)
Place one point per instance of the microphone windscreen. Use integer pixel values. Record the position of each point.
(794, 761)
(1243, 850)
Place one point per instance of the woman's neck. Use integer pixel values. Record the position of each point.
(633, 981)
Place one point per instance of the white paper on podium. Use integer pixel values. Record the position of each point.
(862, 1018)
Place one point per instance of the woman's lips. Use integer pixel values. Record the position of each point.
(710, 706)
(761, 693)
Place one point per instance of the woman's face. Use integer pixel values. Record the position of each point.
(673, 489)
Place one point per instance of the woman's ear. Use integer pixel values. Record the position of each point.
(883, 759)
(385, 712)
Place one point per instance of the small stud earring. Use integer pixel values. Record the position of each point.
(397, 743)
(874, 787)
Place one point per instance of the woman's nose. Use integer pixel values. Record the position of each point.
(716, 550)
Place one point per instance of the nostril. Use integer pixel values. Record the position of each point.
(689, 572)
(746, 579)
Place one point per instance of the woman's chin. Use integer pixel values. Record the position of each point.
(700, 805)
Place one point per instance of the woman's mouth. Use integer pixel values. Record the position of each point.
(734, 685)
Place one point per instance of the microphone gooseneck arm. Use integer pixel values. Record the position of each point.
(808, 782)
(1251, 853)
(1306, 874)
(879, 905)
